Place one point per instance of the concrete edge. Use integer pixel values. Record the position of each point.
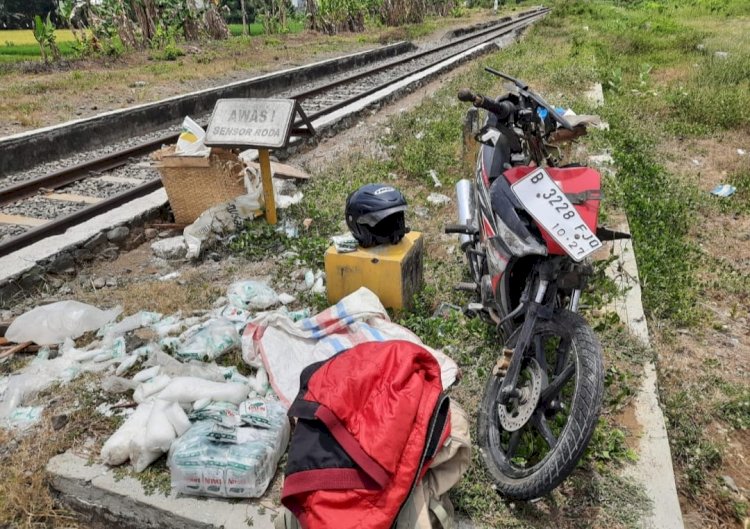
(93, 490)
(653, 470)
(27, 149)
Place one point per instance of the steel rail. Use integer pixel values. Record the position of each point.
(111, 161)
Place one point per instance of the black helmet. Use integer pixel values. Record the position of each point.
(375, 215)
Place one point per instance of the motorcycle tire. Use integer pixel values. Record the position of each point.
(585, 389)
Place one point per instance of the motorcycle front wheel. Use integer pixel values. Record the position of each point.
(532, 443)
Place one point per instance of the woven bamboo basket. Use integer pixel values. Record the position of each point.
(194, 184)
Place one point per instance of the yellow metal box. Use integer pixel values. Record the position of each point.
(392, 271)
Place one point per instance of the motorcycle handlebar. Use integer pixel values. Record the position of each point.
(502, 110)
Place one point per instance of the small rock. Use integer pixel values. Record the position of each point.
(58, 421)
(99, 282)
(419, 135)
(111, 282)
(438, 199)
(62, 263)
(139, 84)
(6, 315)
(95, 241)
(55, 282)
(731, 485)
(721, 54)
(150, 233)
(118, 234)
(700, 47)
(166, 233)
(741, 152)
(171, 248)
(697, 163)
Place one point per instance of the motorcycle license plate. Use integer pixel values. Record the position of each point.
(548, 205)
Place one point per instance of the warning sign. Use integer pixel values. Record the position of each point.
(250, 122)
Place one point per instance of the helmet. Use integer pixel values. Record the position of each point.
(375, 215)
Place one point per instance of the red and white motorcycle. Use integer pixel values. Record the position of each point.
(527, 226)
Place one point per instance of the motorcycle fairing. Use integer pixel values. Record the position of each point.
(571, 180)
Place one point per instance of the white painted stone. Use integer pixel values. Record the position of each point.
(653, 471)
(171, 248)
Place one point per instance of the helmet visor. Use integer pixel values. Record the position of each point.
(371, 219)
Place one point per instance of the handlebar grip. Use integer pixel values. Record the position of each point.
(466, 95)
(502, 110)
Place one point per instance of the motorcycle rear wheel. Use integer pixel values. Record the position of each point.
(534, 459)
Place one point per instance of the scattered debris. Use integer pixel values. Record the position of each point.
(601, 159)
(435, 179)
(438, 199)
(741, 152)
(724, 190)
(730, 484)
(345, 243)
(721, 54)
(286, 299)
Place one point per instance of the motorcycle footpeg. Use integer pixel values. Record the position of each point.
(466, 287)
(463, 229)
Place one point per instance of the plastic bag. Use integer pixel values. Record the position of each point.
(209, 341)
(252, 295)
(135, 321)
(50, 324)
(191, 140)
(202, 467)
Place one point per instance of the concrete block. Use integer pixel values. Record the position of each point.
(93, 490)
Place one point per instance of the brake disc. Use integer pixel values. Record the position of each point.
(519, 410)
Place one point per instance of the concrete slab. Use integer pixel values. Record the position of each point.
(93, 489)
(653, 470)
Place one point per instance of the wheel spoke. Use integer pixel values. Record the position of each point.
(540, 423)
(551, 391)
(515, 437)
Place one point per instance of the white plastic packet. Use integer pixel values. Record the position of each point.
(50, 324)
(248, 295)
(191, 140)
(210, 341)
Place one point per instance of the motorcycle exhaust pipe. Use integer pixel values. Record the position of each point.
(465, 200)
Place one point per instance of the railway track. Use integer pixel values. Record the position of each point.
(33, 208)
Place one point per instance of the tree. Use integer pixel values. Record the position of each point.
(19, 14)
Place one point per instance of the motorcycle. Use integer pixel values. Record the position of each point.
(527, 226)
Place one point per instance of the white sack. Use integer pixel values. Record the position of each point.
(159, 431)
(151, 387)
(286, 347)
(190, 389)
(116, 450)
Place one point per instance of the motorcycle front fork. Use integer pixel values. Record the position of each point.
(508, 388)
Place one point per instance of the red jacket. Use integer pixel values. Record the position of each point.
(370, 420)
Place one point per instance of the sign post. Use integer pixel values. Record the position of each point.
(262, 124)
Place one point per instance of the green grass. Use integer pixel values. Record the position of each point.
(256, 28)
